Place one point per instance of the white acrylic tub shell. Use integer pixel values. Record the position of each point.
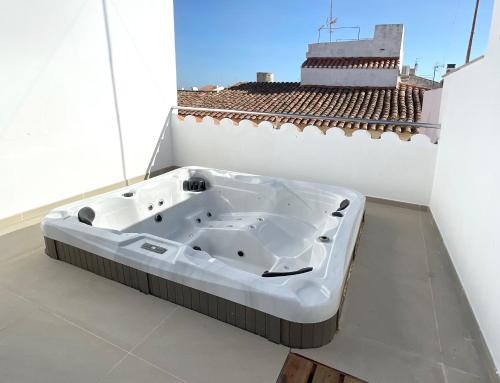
(274, 222)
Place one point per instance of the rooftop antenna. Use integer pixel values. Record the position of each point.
(330, 22)
(437, 67)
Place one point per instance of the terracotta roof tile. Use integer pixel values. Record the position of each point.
(352, 62)
(402, 103)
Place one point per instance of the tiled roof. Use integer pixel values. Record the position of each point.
(403, 103)
(352, 62)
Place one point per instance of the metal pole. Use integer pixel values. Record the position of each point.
(313, 117)
(113, 85)
(330, 21)
(469, 47)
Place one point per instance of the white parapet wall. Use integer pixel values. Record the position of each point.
(465, 199)
(350, 77)
(386, 168)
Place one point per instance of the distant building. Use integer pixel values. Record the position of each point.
(357, 79)
(409, 76)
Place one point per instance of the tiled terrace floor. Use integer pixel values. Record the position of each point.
(404, 320)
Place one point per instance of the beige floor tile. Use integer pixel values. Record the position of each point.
(135, 370)
(198, 348)
(375, 361)
(13, 308)
(43, 348)
(114, 311)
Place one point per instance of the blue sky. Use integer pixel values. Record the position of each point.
(226, 41)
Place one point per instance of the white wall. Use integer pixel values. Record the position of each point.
(58, 128)
(387, 168)
(349, 77)
(431, 108)
(387, 42)
(142, 38)
(465, 199)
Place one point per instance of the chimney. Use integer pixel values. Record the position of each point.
(450, 67)
(265, 77)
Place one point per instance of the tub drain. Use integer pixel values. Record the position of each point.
(241, 253)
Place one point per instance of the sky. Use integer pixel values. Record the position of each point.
(227, 41)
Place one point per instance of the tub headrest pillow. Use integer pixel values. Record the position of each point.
(195, 184)
(86, 215)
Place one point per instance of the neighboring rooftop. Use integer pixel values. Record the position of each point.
(352, 62)
(350, 79)
(402, 103)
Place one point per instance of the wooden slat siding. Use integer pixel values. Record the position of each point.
(204, 302)
(195, 300)
(240, 316)
(296, 370)
(179, 299)
(231, 313)
(250, 319)
(163, 285)
(307, 335)
(212, 305)
(285, 333)
(74, 257)
(260, 323)
(221, 309)
(186, 296)
(295, 335)
(171, 291)
(142, 278)
(59, 250)
(277, 330)
(327, 375)
(133, 278)
(50, 248)
(273, 328)
(114, 271)
(106, 268)
(154, 285)
(83, 259)
(119, 272)
(318, 333)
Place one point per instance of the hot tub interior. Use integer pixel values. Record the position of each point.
(255, 224)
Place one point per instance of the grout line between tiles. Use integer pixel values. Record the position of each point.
(433, 298)
(47, 309)
(24, 255)
(50, 311)
(158, 367)
(144, 338)
(70, 322)
(55, 314)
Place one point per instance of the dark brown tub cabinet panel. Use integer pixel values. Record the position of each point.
(277, 330)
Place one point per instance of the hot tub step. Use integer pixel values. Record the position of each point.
(291, 334)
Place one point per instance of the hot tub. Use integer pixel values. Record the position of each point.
(268, 255)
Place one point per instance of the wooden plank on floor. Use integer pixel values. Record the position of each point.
(350, 379)
(299, 369)
(296, 370)
(326, 375)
